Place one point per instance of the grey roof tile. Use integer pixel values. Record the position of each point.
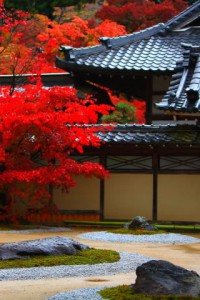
(157, 48)
(151, 134)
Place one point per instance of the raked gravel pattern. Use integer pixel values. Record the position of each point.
(128, 263)
(163, 238)
(82, 294)
(92, 293)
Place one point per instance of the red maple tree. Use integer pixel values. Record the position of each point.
(31, 42)
(77, 33)
(12, 49)
(39, 129)
(138, 14)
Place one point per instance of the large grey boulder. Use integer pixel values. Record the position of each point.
(140, 223)
(47, 246)
(159, 277)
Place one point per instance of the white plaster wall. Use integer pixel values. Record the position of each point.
(128, 195)
(179, 197)
(84, 196)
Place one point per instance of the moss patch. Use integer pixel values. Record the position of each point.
(125, 292)
(84, 257)
(135, 232)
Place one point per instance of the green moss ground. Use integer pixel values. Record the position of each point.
(89, 256)
(135, 232)
(125, 292)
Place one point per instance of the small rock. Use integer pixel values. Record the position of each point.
(140, 223)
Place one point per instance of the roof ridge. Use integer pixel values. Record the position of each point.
(138, 35)
(71, 53)
(153, 127)
(180, 18)
(117, 126)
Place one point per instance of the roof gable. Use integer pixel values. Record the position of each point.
(183, 95)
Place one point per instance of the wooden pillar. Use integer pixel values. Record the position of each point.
(102, 187)
(50, 188)
(148, 92)
(155, 160)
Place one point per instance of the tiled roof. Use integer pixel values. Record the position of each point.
(183, 94)
(147, 50)
(153, 49)
(152, 134)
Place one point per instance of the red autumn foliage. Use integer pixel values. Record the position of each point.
(137, 15)
(39, 129)
(29, 43)
(13, 52)
(36, 143)
(76, 33)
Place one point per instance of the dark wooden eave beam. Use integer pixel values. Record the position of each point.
(182, 114)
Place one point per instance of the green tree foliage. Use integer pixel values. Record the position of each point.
(42, 7)
(123, 113)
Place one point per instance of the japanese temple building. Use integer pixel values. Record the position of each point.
(139, 65)
(154, 168)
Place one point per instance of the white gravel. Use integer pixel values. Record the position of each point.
(82, 294)
(127, 263)
(166, 238)
(92, 293)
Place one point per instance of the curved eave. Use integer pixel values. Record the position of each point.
(72, 66)
(152, 135)
(174, 111)
(151, 144)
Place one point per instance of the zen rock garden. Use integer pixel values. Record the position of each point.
(155, 277)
